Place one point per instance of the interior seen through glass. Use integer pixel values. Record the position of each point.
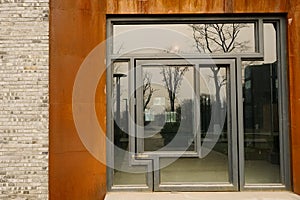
(261, 125)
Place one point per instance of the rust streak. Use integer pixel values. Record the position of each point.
(228, 6)
(143, 6)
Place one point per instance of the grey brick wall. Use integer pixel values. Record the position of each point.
(24, 49)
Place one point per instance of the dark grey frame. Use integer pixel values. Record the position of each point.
(233, 166)
(237, 110)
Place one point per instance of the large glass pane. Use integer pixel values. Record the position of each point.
(120, 102)
(168, 93)
(261, 125)
(184, 38)
(213, 166)
(214, 109)
(211, 169)
(124, 173)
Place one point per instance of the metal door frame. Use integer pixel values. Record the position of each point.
(231, 124)
(151, 159)
(280, 22)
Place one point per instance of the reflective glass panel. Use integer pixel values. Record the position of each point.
(261, 125)
(124, 173)
(184, 38)
(211, 169)
(213, 164)
(168, 95)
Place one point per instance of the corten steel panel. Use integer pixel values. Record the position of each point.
(202, 6)
(79, 178)
(165, 6)
(76, 27)
(294, 80)
(261, 6)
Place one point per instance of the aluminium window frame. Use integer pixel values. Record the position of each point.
(282, 73)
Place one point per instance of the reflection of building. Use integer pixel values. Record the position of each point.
(205, 107)
(117, 123)
(261, 111)
(260, 97)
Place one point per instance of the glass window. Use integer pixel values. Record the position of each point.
(184, 38)
(197, 119)
(261, 121)
(168, 103)
(123, 173)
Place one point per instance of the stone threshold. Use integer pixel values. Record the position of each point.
(201, 196)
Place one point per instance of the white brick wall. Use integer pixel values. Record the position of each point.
(24, 50)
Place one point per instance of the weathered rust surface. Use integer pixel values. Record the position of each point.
(294, 81)
(260, 6)
(77, 26)
(195, 6)
(202, 6)
(165, 6)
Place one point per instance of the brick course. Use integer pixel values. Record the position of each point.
(24, 49)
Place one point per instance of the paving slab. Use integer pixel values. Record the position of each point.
(202, 196)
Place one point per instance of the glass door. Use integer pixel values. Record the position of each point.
(186, 123)
(197, 104)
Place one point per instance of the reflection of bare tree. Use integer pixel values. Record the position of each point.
(218, 38)
(147, 89)
(172, 77)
